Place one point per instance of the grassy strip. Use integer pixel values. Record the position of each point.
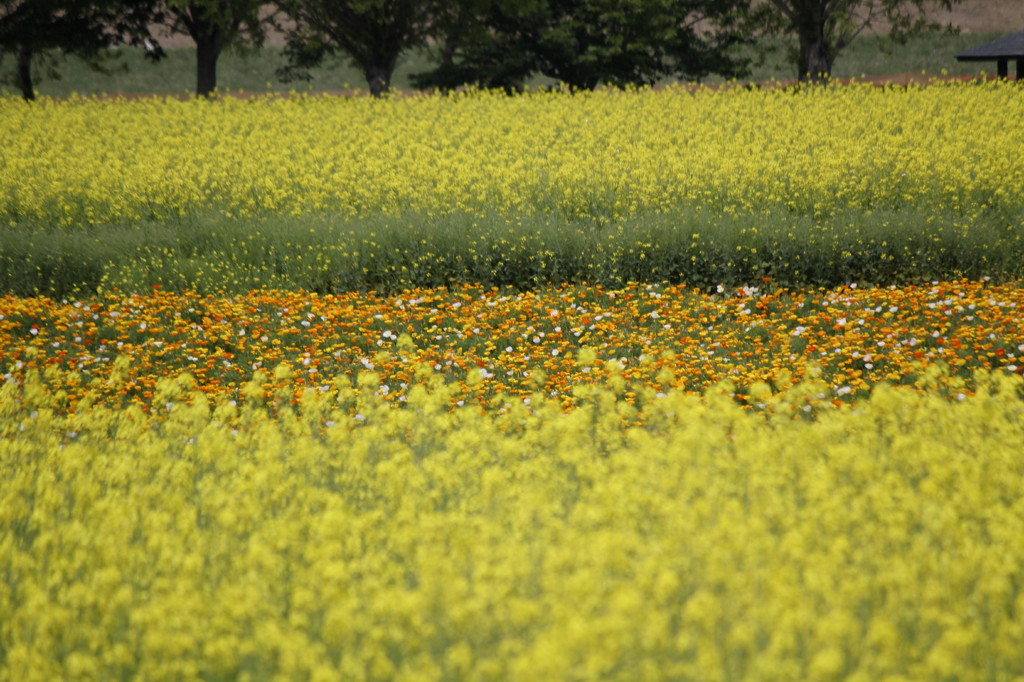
(254, 70)
(326, 254)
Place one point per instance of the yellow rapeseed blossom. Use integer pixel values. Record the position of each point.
(597, 156)
(345, 538)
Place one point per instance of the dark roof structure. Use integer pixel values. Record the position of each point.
(1001, 50)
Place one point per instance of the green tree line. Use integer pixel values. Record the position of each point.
(488, 43)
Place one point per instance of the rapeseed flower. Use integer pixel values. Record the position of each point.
(226, 538)
(591, 157)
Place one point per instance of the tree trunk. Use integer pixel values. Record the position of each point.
(210, 36)
(24, 73)
(207, 53)
(378, 69)
(378, 77)
(815, 58)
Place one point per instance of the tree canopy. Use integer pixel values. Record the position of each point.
(372, 33)
(585, 43)
(490, 43)
(824, 28)
(32, 30)
(214, 25)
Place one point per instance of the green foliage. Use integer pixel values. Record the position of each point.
(774, 248)
(38, 32)
(372, 33)
(584, 43)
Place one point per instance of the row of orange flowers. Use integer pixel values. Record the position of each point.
(492, 341)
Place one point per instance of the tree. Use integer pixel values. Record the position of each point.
(824, 28)
(585, 43)
(214, 25)
(372, 33)
(489, 43)
(32, 30)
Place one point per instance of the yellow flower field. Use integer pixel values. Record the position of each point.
(680, 385)
(597, 156)
(880, 541)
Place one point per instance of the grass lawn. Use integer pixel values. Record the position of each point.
(254, 70)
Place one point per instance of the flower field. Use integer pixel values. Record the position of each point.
(216, 541)
(485, 342)
(600, 156)
(819, 187)
(678, 385)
